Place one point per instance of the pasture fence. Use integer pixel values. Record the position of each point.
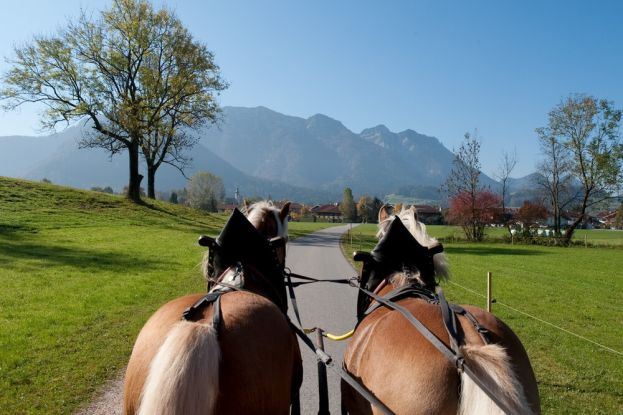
(609, 349)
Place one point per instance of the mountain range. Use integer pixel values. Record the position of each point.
(261, 152)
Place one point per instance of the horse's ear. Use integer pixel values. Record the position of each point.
(245, 206)
(383, 213)
(285, 210)
(414, 211)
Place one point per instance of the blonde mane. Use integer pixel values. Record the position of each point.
(259, 210)
(418, 230)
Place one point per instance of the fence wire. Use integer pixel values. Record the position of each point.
(609, 349)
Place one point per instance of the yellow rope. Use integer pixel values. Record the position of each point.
(334, 337)
(340, 337)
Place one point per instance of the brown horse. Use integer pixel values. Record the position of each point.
(403, 369)
(250, 363)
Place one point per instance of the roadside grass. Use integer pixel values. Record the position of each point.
(592, 237)
(80, 274)
(577, 289)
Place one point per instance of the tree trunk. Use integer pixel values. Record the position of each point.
(151, 182)
(134, 183)
(571, 229)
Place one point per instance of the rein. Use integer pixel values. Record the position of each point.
(452, 353)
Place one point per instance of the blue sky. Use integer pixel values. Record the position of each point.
(438, 67)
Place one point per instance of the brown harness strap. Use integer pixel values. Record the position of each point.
(451, 324)
(488, 386)
(192, 312)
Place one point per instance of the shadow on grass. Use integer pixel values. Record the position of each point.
(84, 259)
(202, 225)
(492, 250)
(6, 228)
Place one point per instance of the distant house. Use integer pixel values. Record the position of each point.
(226, 207)
(567, 218)
(327, 212)
(295, 208)
(607, 219)
(429, 215)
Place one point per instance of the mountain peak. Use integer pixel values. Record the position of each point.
(379, 129)
(321, 121)
(380, 135)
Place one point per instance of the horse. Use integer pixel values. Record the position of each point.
(401, 367)
(237, 355)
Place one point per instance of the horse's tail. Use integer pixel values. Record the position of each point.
(492, 360)
(183, 376)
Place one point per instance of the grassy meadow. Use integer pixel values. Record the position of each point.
(577, 289)
(80, 274)
(591, 237)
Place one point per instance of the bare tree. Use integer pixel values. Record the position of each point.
(464, 183)
(506, 167)
(554, 178)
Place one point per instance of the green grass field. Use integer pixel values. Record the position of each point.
(593, 237)
(80, 273)
(577, 289)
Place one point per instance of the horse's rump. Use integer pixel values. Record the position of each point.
(401, 367)
(405, 371)
(260, 356)
(255, 374)
(183, 376)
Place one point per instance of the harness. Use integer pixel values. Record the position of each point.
(240, 248)
(384, 261)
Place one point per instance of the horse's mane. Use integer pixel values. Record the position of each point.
(418, 230)
(259, 210)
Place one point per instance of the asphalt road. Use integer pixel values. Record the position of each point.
(325, 305)
(330, 306)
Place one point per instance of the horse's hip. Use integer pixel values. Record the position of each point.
(259, 354)
(401, 367)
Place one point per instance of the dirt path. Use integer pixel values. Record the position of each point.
(108, 402)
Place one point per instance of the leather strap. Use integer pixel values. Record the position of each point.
(488, 386)
(348, 378)
(451, 325)
(192, 312)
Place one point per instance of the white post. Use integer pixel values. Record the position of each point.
(489, 288)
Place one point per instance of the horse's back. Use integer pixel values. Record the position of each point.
(400, 366)
(260, 359)
(406, 372)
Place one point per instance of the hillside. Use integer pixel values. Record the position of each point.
(81, 272)
(34, 207)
